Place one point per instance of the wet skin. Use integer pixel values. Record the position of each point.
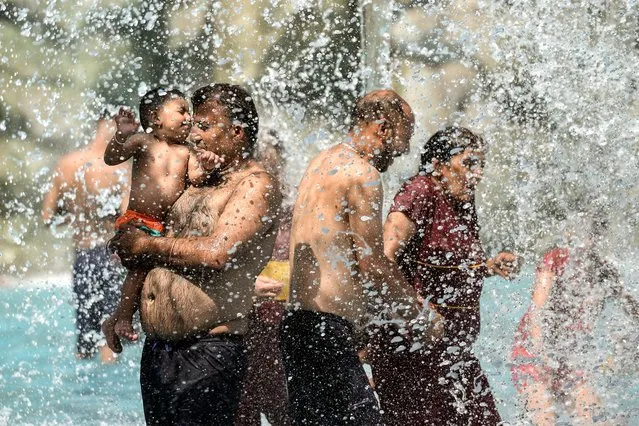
(336, 238)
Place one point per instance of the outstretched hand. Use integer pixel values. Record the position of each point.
(504, 264)
(126, 123)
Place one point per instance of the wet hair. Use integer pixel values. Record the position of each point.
(444, 144)
(153, 100)
(378, 105)
(237, 103)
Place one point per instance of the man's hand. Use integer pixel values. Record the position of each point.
(126, 124)
(208, 160)
(505, 264)
(128, 243)
(267, 287)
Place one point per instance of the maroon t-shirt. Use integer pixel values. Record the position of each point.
(444, 259)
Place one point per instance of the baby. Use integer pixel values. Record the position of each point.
(163, 165)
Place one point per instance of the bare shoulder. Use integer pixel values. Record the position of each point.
(356, 172)
(344, 166)
(256, 177)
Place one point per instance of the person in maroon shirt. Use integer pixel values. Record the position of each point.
(433, 234)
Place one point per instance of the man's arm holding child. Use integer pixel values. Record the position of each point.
(250, 212)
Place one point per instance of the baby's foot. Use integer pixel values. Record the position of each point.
(124, 328)
(112, 339)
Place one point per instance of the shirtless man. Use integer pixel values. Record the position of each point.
(194, 305)
(86, 194)
(337, 254)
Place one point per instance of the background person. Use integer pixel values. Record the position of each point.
(265, 384)
(86, 194)
(550, 355)
(432, 232)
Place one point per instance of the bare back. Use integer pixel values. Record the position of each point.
(173, 306)
(325, 247)
(91, 192)
(159, 176)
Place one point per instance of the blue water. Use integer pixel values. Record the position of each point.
(40, 379)
(41, 382)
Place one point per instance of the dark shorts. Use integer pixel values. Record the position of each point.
(96, 284)
(327, 384)
(192, 382)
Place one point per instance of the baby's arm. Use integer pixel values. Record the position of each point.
(125, 142)
(201, 165)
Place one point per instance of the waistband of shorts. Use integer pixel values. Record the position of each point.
(100, 249)
(316, 316)
(190, 341)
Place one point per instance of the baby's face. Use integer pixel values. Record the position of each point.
(175, 118)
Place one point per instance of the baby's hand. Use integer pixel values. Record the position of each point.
(126, 123)
(208, 160)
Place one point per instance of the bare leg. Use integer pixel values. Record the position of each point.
(540, 404)
(107, 356)
(586, 403)
(120, 324)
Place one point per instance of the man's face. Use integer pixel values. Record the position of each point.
(212, 131)
(398, 144)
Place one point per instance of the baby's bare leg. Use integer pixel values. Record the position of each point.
(129, 303)
(120, 324)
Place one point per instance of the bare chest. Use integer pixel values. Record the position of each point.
(198, 210)
(162, 160)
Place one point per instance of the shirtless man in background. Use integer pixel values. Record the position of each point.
(337, 254)
(194, 305)
(87, 195)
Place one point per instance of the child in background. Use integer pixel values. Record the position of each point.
(163, 165)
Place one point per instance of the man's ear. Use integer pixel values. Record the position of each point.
(238, 132)
(385, 130)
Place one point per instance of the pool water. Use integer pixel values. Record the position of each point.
(41, 382)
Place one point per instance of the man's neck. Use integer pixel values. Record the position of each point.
(361, 142)
(226, 171)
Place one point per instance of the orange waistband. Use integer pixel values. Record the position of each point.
(137, 218)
